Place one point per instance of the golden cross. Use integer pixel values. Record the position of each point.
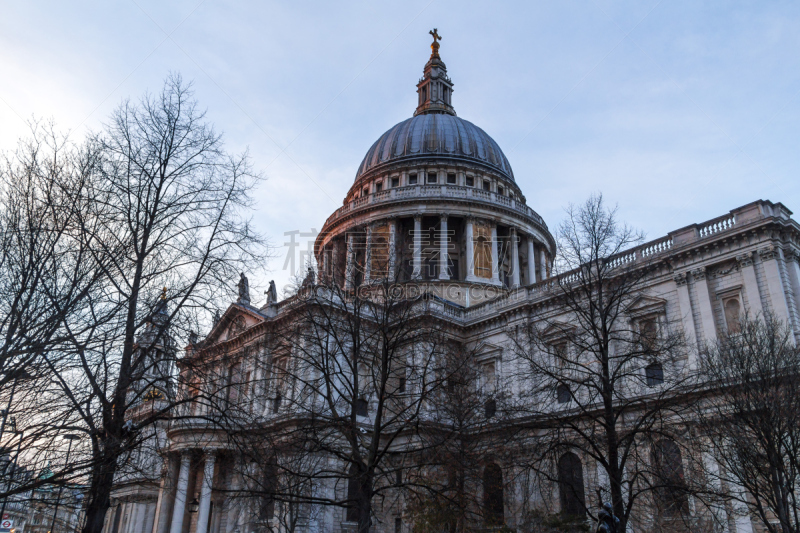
(435, 35)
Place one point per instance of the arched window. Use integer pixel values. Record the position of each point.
(732, 311)
(493, 494)
(570, 485)
(670, 488)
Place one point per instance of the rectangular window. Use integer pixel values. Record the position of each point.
(378, 187)
(398, 525)
(401, 385)
(412, 179)
(365, 192)
(563, 395)
(654, 374)
(489, 375)
(451, 179)
(487, 185)
(395, 182)
(361, 407)
(431, 177)
(500, 190)
(490, 408)
(470, 181)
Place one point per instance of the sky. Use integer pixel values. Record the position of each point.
(676, 111)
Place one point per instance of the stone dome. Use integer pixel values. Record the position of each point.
(440, 135)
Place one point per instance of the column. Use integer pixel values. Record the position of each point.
(180, 494)
(444, 243)
(514, 259)
(531, 261)
(495, 259)
(205, 494)
(417, 273)
(368, 254)
(334, 260)
(754, 307)
(139, 512)
(326, 261)
(704, 303)
(542, 264)
(165, 495)
(350, 259)
(470, 247)
(392, 249)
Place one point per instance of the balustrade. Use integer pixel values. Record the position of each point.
(436, 191)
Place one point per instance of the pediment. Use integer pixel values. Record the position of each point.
(236, 319)
(645, 305)
(557, 329)
(487, 350)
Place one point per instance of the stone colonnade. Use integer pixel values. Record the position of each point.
(535, 252)
(174, 495)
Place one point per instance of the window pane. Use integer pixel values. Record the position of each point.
(563, 394)
(362, 407)
(490, 408)
(654, 374)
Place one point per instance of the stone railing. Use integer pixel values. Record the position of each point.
(455, 192)
(717, 225)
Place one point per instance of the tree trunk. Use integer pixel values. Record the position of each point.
(365, 504)
(100, 493)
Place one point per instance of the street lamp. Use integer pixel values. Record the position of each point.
(70, 437)
(194, 505)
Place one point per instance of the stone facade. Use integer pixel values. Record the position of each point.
(435, 203)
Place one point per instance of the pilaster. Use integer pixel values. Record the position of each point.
(772, 277)
(705, 308)
(750, 283)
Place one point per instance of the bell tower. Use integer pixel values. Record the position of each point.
(435, 89)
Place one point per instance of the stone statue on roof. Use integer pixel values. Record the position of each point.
(244, 290)
(272, 293)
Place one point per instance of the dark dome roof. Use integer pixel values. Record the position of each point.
(439, 135)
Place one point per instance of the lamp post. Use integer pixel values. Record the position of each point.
(70, 437)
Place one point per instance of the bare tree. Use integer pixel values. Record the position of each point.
(46, 273)
(364, 366)
(752, 411)
(158, 220)
(452, 488)
(348, 378)
(602, 371)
